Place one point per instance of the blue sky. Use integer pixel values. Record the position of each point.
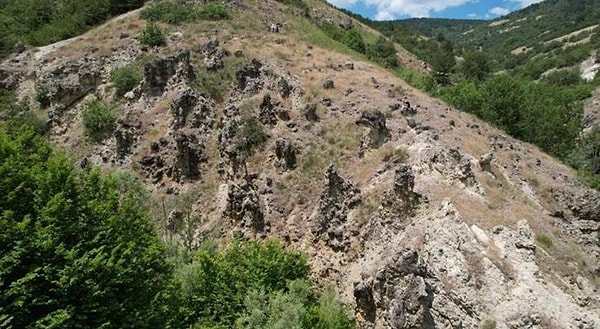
(398, 9)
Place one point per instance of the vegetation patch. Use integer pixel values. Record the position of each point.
(126, 78)
(152, 36)
(93, 237)
(544, 240)
(98, 120)
(178, 12)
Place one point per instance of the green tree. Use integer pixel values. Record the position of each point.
(98, 120)
(383, 51)
(152, 36)
(211, 290)
(476, 66)
(73, 252)
(353, 39)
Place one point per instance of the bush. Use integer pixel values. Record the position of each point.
(152, 36)
(98, 120)
(544, 240)
(126, 78)
(251, 136)
(213, 12)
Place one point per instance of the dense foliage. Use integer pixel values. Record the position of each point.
(98, 120)
(548, 113)
(126, 78)
(382, 50)
(40, 22)
(73, 252)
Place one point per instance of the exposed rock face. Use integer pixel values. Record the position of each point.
(284, 87)
(190, 102)
(268, 114)
(337, 199)
(286, 154)
(378, 132)
(126, 133)
(161, 72)
(310, 112)
(248, 78)
(213, 55)
(243, 205)
(188, 157)
(68, 82)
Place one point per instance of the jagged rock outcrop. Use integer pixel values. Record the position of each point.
(243, 205)
(310, 112)
(213, 55)
(285, 151)
(337, 199)
(268, 113)
(248, 78)
(188, 157)
(284, 87)
(378, 132)
(161, 72)
(190, 102)
(65, 83)
(126, 133)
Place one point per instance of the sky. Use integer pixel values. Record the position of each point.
(464, 9)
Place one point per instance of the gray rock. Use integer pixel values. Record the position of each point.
(285, 152)
(337, 199)
(310, 112)
(188, 158)
(284, 87)
(328, 84)
(168, 70)
(378, 134)
(213, 55)
(243, 205)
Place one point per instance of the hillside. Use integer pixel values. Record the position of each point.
(417, 214)
(549, 35)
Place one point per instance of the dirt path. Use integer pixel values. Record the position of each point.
(45, 50)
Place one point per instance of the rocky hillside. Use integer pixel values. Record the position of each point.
(421, 216)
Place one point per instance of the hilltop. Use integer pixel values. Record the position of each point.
(419, 215)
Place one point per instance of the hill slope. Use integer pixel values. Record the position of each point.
(418, 214)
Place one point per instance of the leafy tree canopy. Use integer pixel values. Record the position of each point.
(73, 251)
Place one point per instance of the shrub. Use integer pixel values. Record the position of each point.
(152, 36)
(75, 254)
(213, 12)
(397, 155)
(544, 240)
(126, 78)
(170, 12)
(251, 136)
(98, 120)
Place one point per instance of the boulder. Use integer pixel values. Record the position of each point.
(378, 132)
